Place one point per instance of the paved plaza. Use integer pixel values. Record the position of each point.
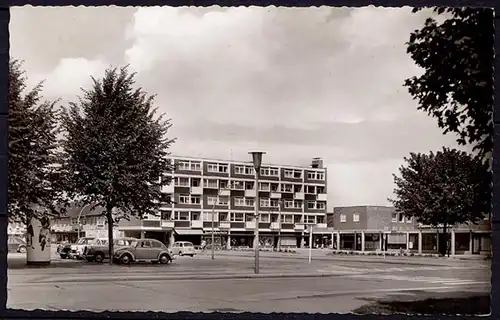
(286, 283)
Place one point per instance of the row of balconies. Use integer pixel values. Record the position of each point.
(248, 193)
(199, 224)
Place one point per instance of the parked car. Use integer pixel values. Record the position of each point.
(16, 244)
(74, 250)
(100, 250)
(143, 250)
(183, 248)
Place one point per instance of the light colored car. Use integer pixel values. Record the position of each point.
(78, 248)
(183, 248)
(143, 250)
(100, 251)
(16, 244)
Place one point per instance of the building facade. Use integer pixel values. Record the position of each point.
(375, 228)
(216, 196)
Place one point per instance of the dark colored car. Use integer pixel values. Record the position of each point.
(16, 244)
(100, 250)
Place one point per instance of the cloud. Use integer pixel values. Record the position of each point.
(295, 82)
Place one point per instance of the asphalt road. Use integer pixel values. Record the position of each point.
(285, 284)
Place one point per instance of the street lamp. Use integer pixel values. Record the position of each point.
(257, 161)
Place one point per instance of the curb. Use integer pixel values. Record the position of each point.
(192, 277)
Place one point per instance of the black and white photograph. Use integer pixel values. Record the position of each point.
(250, 159)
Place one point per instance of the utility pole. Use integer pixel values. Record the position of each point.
(257, 161)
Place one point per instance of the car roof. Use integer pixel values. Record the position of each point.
(183, 242)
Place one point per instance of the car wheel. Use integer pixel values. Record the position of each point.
(125, 259)
(164, 259)
(99, 257)
(22, 249)
(63, 256)
(191, 255)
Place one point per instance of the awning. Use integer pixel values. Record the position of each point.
(189, 232)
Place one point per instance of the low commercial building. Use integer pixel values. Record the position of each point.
(376, 228)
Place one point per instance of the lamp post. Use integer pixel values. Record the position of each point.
(257, 161)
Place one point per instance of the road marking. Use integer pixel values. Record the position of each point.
(436, 280)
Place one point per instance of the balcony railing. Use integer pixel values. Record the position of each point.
(275, 195)
(300, 226)
(320, 225)
(197, 190)
(167, 224)
(196, 224)
(250, 193)
(225, 192)
(275, 225)
(299, 196)
(321, 197)
(250, 224)
(225, 225)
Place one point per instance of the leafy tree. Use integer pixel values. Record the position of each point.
(115, 149)
(456, 87)
(34, 186)
(443, 188)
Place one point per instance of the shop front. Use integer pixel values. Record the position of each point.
(220, 239)
(372, 241)
(191, 235)
(242, 240)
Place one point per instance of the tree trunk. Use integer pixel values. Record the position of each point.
(444, 242)
(109, 217)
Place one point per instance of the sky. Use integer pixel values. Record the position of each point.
(297, 83)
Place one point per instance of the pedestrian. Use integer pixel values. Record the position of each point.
(203, 245)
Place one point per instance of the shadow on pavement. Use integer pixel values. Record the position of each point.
(464, 303)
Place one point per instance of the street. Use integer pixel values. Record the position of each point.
(286, 283)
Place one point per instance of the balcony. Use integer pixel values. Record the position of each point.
(197, 224)
(168, 189)
(300, 226)
(250, 193)
(275, 225)
(321, 197)
(275, 195)
(167, 224)
(298, 196)
(225, 192)
(225, 225)
(196, 190)
(250, 225)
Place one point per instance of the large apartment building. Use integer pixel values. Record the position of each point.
(220, 196)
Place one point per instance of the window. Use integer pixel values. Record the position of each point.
(224, 184)
(181, 216)
(310, 189)
(249, 170)
(320, 219)
(297, 188)
(287, 218)
(309, 219)
(182, 182)
(285, 187)
(288, 173)
(195, 216)
(274, 187)
(211, 200)
(249, 185)
(195, 166)
(211, 167)
(355, 217)
(401, 217)
(238, 185)
(264, 171)
(249, 217)
(264, 186)
(239, 170)
(166, 215)
(156, 244)
(264, 217)
(249, 202)
(237, 217)
(274, 172)
(293, 204)
(223, 201)
(297, 174)
(314, 175)
(239, 202)
(274, 203)
(297, 219)
(207, 216)
(210, 183)
(195, 199)
(320, 205)
(343, 217)
(184, 165)
(394, 217)
(223, 168)
(409, 220)
(195, 182)
(265, 203)
(223, 216)
(311, 205)
(146, 244)
(320, 189)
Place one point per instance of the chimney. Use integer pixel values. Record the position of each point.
(317, 163)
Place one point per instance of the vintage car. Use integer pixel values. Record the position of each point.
(183, 248)
(143, 250)
(16, 244)
(100, 250)
(74, 250)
